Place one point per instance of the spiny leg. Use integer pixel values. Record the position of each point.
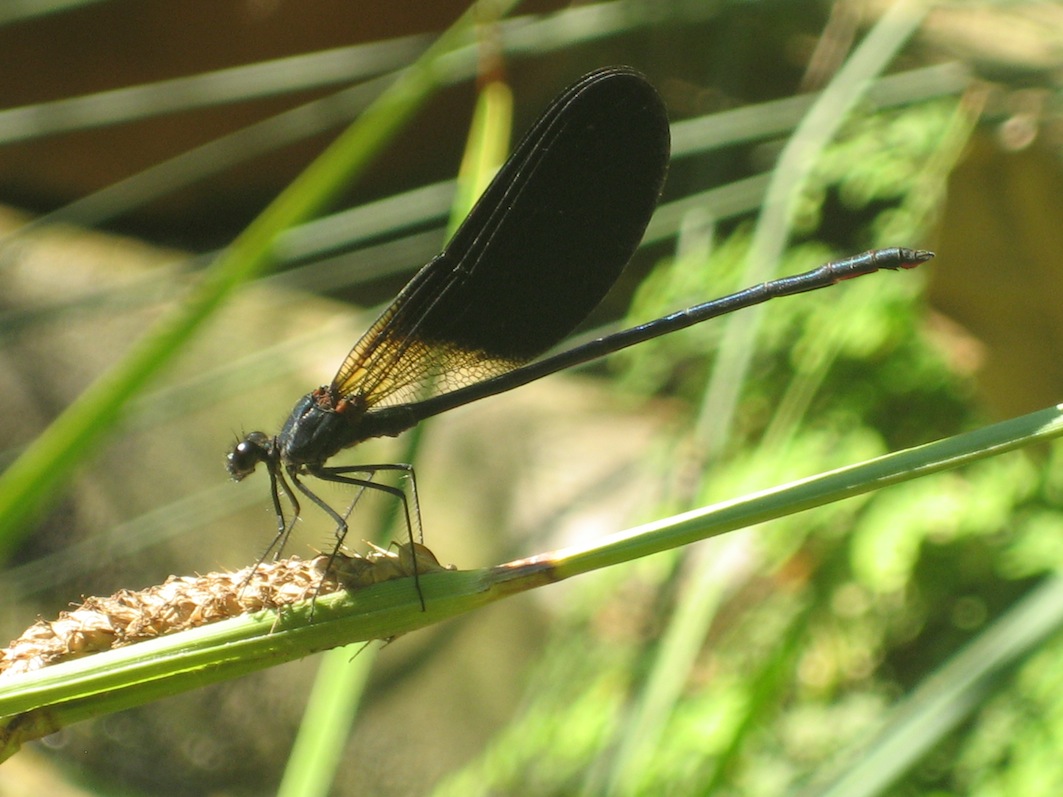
(370, 470)
(339, 476)
(284, 527)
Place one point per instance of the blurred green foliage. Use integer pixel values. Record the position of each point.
(823, 620)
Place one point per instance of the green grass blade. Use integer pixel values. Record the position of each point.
(69, 692)
(330, 713)
(836, 485)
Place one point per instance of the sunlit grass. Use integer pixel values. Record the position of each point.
(834, 651)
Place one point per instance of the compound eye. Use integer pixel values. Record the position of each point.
(246, 454)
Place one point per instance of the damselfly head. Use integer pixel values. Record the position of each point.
(254, 448)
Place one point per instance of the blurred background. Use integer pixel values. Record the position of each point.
(139, 138)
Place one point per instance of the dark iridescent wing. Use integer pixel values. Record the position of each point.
(536, 254)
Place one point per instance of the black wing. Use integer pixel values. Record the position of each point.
(536, 254)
